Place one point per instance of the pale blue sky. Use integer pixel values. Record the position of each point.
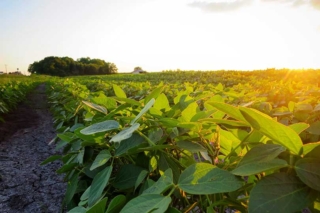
(163, 34)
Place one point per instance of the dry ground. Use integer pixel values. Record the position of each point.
(25, 186)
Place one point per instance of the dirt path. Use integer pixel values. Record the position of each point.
(25, 186)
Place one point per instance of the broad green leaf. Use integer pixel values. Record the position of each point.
(173, 210)
(97, 138)
(154, 94)
(203, 178)
(228, 142)
(101, 159)
(125, 134)
(259, 167)
(99, 207)
(168, 122)
(50, 159)
(67, 167)
(299, 127)
(67, 136)
(100, 127)
(162, 184)
(85, 194)
(308, 170)
(195, 126)
(162, 102)
(99, 182)
(118, 91)
(78, 209)
(262, 153)
(127, 176)
(228, 109)
(128, 101)
(279, 192)
(127, 144)
(155, 135)
(116, 204)
(191, 146)
(147, 203)
(96, 107)
(279, 133)
(143, 174)
(314, 128)
(71, 188)
(226, 122)
(189, 112)
(311, 149)
(144, 110)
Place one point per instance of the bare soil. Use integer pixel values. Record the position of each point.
(25, 186)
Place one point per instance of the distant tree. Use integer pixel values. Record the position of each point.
(137, 69)
(65, 66)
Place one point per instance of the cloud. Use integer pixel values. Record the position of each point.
(220, 6)
(297, 3)
(217, 6)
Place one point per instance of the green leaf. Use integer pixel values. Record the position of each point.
(71, 188)
(99, 182)
(85, 194)
(143, 174)
(144, 110)
(191, 146)
(162, 102)
(279, 192)
(259, 167)
(128, 101)
(78, 209)
(116, 204)
(203, 178)
(50, 159)
(189, 112)
(314, 128)
(311, 149)
(225, 122)
(147, 203)
(100, 127)
(101, 159)
(127, 144)
(279, 133)
(299, 127)
(259, 159)
(66, 168)
(118, 91)
(162, 184)
(125, 134)
(99, 207)
(308, 171)
(155, 135)
(127, 176)
(228, 109)
(96, 107)
(154, 94)
(67, 136)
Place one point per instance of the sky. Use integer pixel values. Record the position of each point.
(163, 34)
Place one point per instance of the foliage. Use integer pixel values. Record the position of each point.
(13, 90)
(149, 146)
(65, 66)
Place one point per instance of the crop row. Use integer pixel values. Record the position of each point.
(187, 147)
(13, 92)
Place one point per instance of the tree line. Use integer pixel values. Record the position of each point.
(65, 66)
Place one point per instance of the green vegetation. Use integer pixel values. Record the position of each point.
(65, 66)
(13, 90)
(189, 141)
